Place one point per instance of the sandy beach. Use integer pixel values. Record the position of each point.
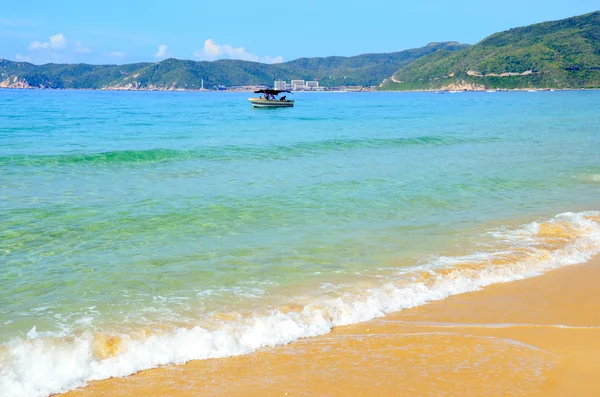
(533, 337)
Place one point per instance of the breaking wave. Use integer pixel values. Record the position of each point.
(43, 364)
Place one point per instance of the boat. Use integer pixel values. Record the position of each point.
(271, 99)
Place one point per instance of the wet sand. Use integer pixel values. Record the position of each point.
(534, 337)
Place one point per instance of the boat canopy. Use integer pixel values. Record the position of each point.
(271, 92)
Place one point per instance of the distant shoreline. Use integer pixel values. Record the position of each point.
(166, 90)
(296, 92)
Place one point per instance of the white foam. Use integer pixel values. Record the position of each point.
(42, 365)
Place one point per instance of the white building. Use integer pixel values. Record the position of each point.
(298, 84)
(280, 85)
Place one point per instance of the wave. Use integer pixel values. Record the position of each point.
(224, 153)
(43, 364)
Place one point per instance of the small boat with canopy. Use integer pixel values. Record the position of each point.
(271, 99)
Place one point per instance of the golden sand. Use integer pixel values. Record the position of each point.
(534, 337)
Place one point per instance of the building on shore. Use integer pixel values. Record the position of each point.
(297, 85)
(246, 87)
(280, 85)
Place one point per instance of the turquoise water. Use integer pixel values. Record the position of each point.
(128, 209)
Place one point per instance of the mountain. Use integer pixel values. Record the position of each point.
(362, 70)
(557, 54)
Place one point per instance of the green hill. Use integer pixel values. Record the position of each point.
(557, 54)
(363, 70)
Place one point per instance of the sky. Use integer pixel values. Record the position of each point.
(127, 31)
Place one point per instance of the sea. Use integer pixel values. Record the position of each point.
(141, 229)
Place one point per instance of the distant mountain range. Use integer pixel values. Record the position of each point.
(558, 54)
(362, 70)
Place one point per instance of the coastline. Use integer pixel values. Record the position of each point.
(29, 88)
(366, 90)
(534, 337)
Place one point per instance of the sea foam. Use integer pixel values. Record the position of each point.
(40, 365)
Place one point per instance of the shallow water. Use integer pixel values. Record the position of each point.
(220, 228)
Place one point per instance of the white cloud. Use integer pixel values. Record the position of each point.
(162, 52)
(56, 42)
(212, 50)
(56, 49)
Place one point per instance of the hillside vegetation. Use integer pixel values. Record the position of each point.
(362, 70)
(558, 54)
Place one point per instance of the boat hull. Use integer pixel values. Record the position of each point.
(263, 103)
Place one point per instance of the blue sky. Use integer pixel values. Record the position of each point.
(126, 31)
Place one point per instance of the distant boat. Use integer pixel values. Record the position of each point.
(491, 91)
(271, 99)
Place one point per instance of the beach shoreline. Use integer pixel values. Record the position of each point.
(534, 337)
(179, 230)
